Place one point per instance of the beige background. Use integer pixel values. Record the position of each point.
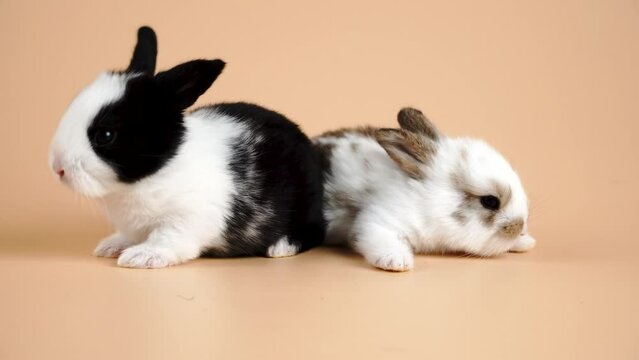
(553, 84)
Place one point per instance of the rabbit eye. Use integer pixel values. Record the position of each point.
(104, 137)
(490, 202)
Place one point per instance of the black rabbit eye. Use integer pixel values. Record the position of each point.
(490, 202)
(104, 137)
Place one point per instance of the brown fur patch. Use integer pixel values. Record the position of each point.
(488, 217)
(419, 148)
(411, 169)
(415, 121)
(408, 150)
(354, 147)
(367, 131)
(513, 228)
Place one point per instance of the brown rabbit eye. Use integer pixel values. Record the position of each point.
(104, 137)
(490, 202)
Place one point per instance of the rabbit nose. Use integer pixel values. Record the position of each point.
(513, 227)
(57, 167)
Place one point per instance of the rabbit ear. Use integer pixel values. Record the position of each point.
(413, 120)
(145, 52)
(182, 85)
(407, 149)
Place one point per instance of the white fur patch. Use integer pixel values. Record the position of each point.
(71, 150)
(282, 248)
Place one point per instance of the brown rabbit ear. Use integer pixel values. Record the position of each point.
(413, 120)
(407, 149)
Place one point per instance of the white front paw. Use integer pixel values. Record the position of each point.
(112, 246)
(523, 243)
(145, 256)
(400, 261)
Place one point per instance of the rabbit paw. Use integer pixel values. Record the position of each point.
(111, 246)
(145, 256)
(282, 248)
(523, 243)
(394, 261)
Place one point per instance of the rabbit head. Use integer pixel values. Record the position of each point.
(127, 124)
(473, 200)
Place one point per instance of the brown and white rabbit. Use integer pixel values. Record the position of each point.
(391, 193)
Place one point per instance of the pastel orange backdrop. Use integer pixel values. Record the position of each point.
(554, 85)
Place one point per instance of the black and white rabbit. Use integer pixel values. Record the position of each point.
(390, 193)
(230, 179)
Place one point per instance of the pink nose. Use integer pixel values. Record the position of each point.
(57, 167)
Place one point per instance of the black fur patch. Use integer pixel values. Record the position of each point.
(283, 190)
(147, 121)
(145, 52)
(147, 134)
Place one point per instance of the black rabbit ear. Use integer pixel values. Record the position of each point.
(145, 52)
(182, 85)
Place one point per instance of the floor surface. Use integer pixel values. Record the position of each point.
(553, 303)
